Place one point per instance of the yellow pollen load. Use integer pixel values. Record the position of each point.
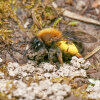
(68, 48)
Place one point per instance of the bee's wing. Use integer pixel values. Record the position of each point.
(80, 37)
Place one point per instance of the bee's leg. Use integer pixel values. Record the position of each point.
(59, 55)
(50, 56)
(58, 65)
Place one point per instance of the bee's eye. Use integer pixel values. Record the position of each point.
(36, 44)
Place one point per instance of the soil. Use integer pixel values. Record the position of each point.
(17, 52)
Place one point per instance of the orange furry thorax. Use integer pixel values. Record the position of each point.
(49, 35)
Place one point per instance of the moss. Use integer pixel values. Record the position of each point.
(5, 14)
(4, 70)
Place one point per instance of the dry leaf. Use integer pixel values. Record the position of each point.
(69, 2)
(96, 3)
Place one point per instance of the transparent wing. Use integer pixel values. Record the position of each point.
(80, 36)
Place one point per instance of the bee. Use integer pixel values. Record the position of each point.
(51, 38)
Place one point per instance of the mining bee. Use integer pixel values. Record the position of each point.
(52, 45)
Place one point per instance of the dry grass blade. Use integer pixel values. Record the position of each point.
(92, 52)
(73, 15)
(35, 20)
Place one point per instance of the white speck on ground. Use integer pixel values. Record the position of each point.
(94, 90)
(1, 60)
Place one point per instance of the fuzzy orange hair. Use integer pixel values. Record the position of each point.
(49, 35)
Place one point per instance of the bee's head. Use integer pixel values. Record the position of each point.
(36, 44)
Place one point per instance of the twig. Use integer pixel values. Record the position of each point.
(92, 52)
(35, 20)
(73, 15)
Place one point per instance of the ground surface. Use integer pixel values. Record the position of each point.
(24, 29)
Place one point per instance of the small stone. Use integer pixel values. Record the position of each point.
(1, 60)
(54, 5)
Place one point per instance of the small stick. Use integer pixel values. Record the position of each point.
(76, 16)
(92, 53)
(35, 20)
(73, 15)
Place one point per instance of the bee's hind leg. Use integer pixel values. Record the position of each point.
(59, 55)
(50, 56)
